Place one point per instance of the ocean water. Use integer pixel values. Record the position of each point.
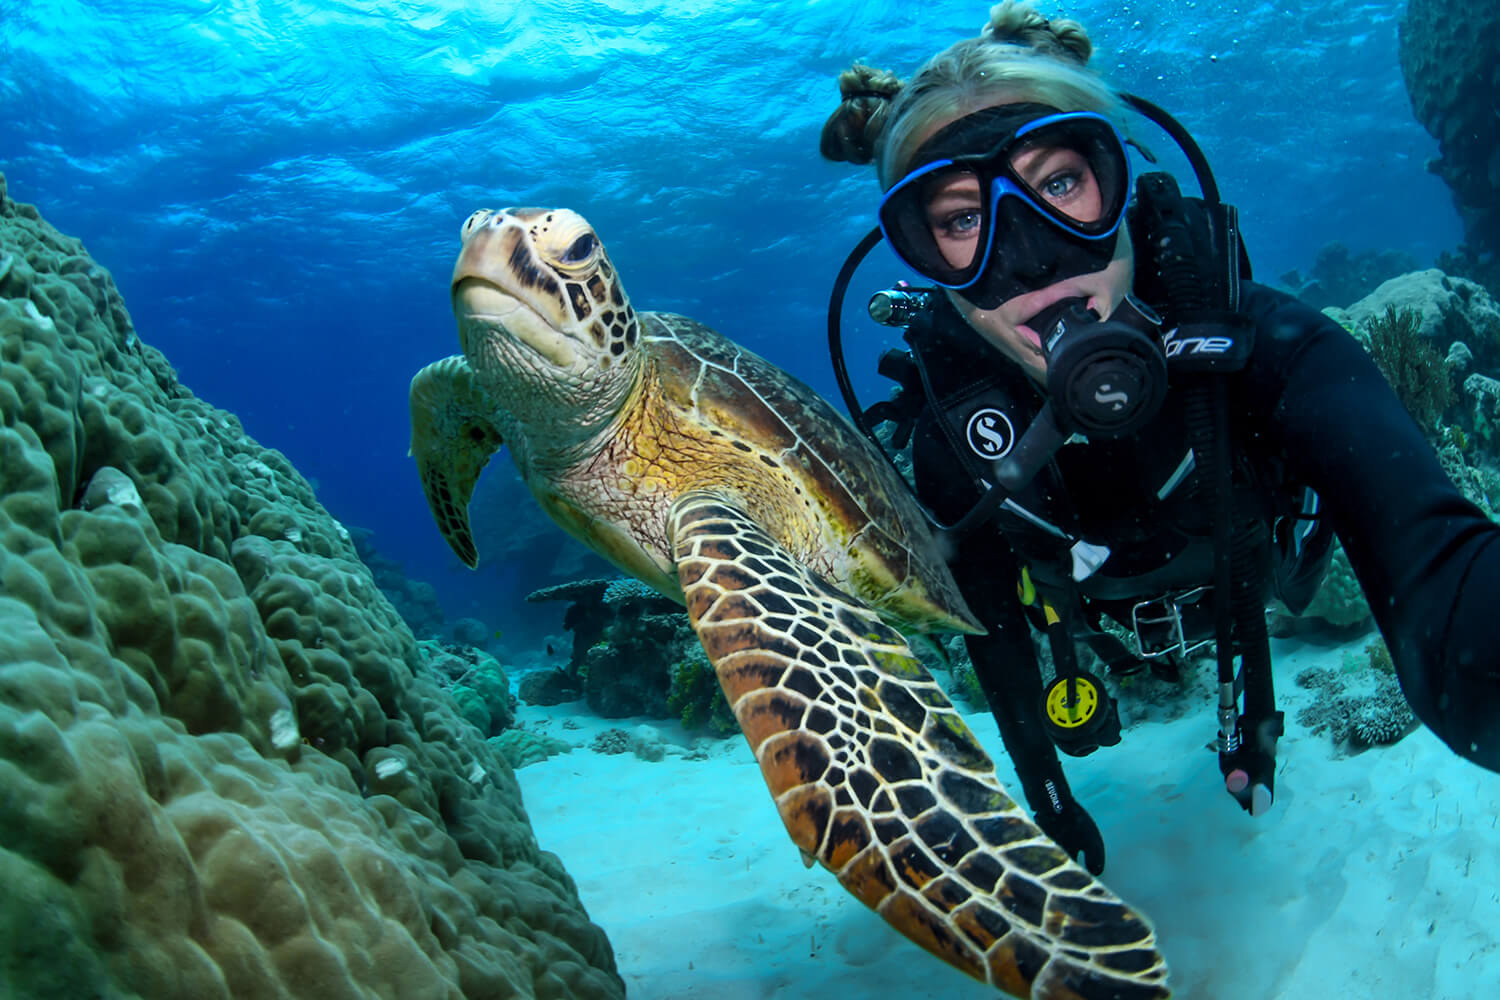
(277, 187)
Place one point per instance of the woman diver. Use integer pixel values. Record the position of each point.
(1070, 294)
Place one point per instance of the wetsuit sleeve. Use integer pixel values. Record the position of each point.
(1426, 558)
(1004, 658)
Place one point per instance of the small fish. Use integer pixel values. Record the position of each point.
(550, 650)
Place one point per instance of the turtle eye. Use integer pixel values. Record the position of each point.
(580, 250)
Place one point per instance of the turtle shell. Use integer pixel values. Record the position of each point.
(802, 470)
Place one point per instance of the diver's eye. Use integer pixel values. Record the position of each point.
(580, 250)
(959, 224)
(472, 223)
(1060, 185)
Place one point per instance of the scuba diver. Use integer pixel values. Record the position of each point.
(1111, 421)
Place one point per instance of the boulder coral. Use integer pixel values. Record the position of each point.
(221, 772)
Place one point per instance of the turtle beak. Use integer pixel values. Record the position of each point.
(497, 252)
(497, 285)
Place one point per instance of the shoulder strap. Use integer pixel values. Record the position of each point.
(1190, 263)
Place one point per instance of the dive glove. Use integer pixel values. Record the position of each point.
(1068, 823)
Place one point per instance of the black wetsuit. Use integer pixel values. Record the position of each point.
(1309, 409)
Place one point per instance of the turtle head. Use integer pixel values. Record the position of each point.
(543, 318)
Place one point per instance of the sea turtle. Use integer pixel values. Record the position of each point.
(731, 487)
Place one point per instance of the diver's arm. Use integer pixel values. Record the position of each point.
(1004, 658)
(1427, 559)
(1005, 664)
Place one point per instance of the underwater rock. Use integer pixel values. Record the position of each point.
(1449, 51)
(472, 632)
(646, 742)
(110, 485)
(223, 770)
(550, 687)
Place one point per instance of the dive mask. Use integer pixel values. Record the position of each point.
(1010, 199)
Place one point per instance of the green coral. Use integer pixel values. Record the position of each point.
(1410, 364)
(475, 680)
(522, 746)
(697, 698)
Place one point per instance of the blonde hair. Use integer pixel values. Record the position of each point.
(1019, 56)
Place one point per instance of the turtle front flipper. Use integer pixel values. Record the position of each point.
(876, 775)
(452, 439)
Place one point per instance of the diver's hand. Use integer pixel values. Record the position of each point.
(1073, 828)
(1249, 770)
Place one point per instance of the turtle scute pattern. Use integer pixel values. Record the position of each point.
(877, 777)
(786, 451)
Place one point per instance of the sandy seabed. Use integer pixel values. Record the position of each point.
(1375, 877)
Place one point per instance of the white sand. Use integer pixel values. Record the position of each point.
(1375, 876)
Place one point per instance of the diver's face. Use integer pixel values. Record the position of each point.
(1059, 174)
(1005, 326)
(1064, 178)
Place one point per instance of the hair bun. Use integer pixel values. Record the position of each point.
(1016, 22)
(851, 132)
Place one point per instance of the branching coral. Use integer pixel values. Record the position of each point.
(696, 696)
(1411, 365)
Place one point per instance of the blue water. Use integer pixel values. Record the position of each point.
(278, 187)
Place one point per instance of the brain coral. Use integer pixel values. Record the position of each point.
(220, 774)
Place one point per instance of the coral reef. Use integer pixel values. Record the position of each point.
(644, 741)
(1450, 309)
(472, 632)
(612, 742)
(414, 600)
(1449, 51)
(696, 696)
(634, 653)
(223, 770)
(1425, 331)
(1360, 706)
(1339, 604)
(1411, 365)
(476, 682)
(1339, 275)
(521, 747)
